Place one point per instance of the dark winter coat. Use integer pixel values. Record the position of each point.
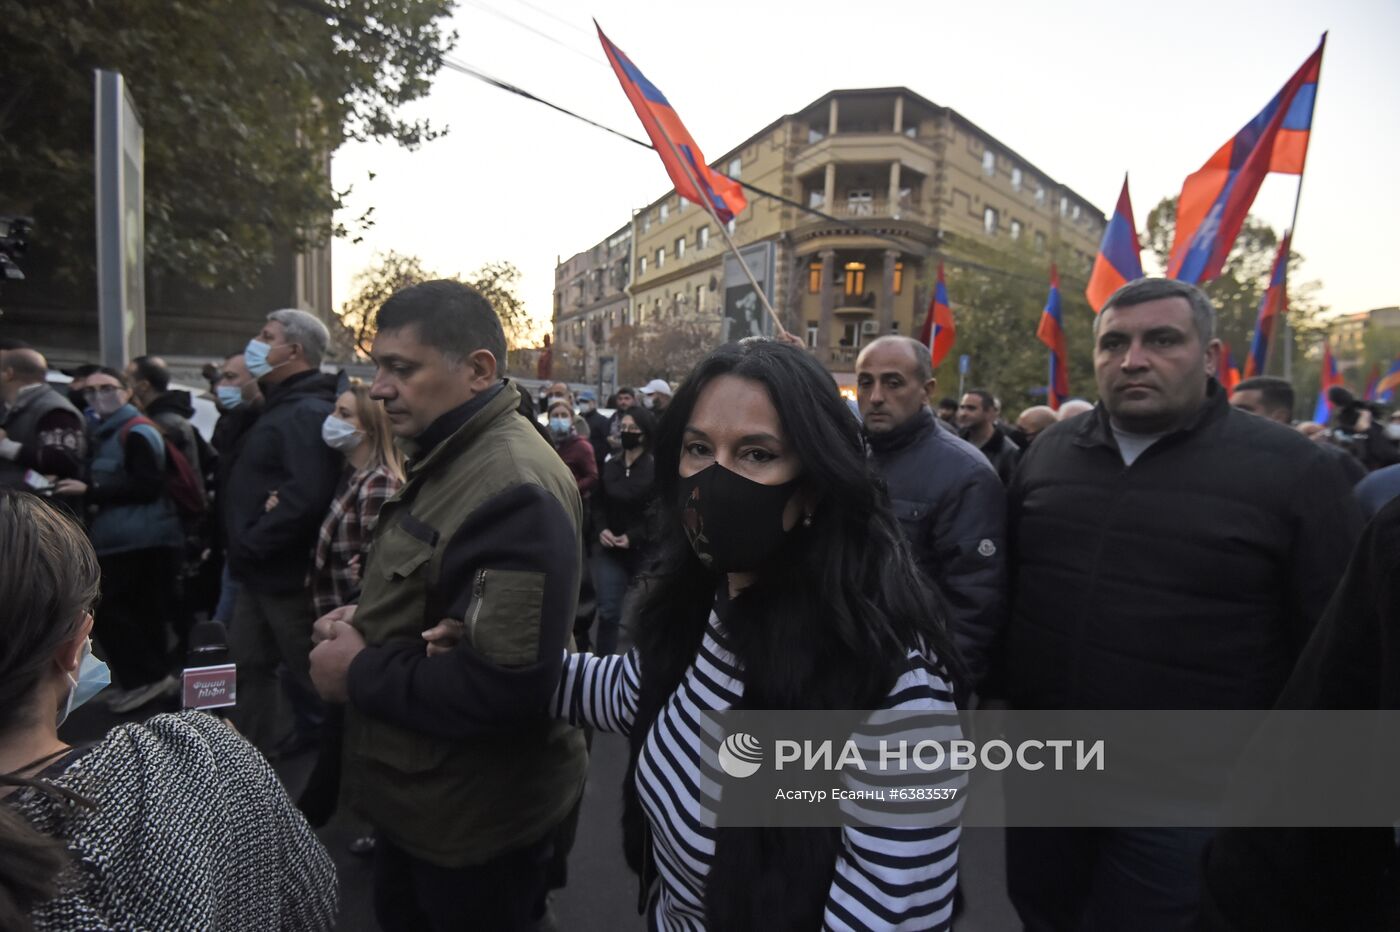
(269, 551)
(1002, 452)
(1191, 579)
(952, 507)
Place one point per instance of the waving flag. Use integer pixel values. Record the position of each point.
(1051, 332)
(673, 141)
(1373, 379)
(1215, 200)
(1330, 376)
(1273, 305)
(938, 332)
(1229, 373)
(1120, 258)
(1385, 388)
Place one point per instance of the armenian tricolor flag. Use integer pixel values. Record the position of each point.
(1229, 374)
(1373, 380)
(1051, 332)
(1273, 305)
(1330, 376)
(1215, 200)
(1386, 387)
(673, 141)
(939, 332)
(1120, 257)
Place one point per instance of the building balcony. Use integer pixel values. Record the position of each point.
(857, 209)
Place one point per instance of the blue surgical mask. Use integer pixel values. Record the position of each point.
(340, 434)
(559, 426)
(93, 677)
(255, 358)
(229, 396)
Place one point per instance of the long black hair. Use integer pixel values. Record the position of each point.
(828, 623)
(847, 584)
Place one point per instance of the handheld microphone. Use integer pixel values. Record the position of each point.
(209, 680)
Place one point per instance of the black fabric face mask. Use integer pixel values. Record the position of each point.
(630, 439)
(734, 524)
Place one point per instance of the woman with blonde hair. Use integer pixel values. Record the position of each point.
(374, 470)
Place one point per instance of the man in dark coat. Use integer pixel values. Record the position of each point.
(946, 495)
(978, 416)
(1168, 551)
(279, 491)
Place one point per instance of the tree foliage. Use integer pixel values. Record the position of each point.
(498, 282)
(997, 296)
(668, 349)
(242, 103)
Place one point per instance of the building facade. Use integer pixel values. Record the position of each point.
(891, 183)
(590, 300)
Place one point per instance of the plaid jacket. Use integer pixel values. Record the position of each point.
(343, 545)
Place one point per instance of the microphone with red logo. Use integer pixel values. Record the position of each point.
(209, 680)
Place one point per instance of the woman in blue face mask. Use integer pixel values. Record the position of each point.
(175, 817)
(573, 449)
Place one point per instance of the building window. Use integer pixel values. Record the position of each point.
(850, 335)
(734, 166)
(1040, 195)
(1074, 213)
(1015, 229)
(699, 298)
(989, 221)
(702, 238)
(1064, 205)
(1039, 242)
(815, 134)
(816, 199)
(680, 247)
(989, 162)
(1015, 179)
(646, 221)
(814, 278)
(912, 132)
(899, 278)
(855, 278)
(660, 258)
(812, 330)
(665, 211)
(729, 227)
(641, 266)
(860, 202)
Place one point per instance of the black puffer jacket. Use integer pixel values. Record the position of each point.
(269, 551)
(952, 507)
(1191, 579)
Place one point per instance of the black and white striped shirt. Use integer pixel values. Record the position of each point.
(885, 878)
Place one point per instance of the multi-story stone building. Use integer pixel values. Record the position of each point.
(901, 182)
(1350, 334)
(590, 299)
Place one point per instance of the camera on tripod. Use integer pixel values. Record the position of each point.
(14, 240)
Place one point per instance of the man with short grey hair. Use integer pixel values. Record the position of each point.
(278, 492)
(948, 498)
(1169, 551)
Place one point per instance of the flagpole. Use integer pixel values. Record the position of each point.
(1292, 226)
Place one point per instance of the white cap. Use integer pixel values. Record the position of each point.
(655, 386)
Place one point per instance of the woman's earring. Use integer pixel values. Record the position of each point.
(807, 520)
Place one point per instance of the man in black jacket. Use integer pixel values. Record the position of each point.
(946, 495)
(978, 414)
(279, 491)
(1168, 552)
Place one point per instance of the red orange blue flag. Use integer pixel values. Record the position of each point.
(1373, 380)
(1051, 332)
(1272, 306)
(1120, 257)
(1229, 372)
(1389, 383)
(673, 141)
(1215, 200)
(939, 331)
(1330, 377)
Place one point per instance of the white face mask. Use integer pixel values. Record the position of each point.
(1393, 432)
(341, 435)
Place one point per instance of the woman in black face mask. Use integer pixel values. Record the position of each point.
(782, 584)
(625, 514)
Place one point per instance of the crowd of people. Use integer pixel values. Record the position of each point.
(441, 583)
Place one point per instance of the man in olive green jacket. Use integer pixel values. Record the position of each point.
(450, 757)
